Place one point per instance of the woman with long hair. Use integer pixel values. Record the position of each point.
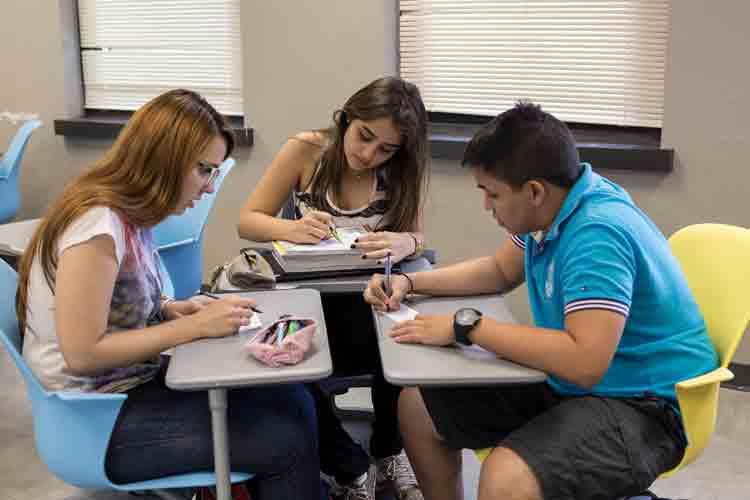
(90, 306)
(368, 169)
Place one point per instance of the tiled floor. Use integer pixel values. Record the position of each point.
(722, 473)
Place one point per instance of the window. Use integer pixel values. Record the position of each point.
(585, 61)
(134, 50)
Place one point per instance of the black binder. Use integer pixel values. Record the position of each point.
(284, 276)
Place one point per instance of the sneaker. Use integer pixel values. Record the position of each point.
(361, 489)
(396, 472)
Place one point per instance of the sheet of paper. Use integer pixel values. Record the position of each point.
(403, 314)
(347, 235)
(255, 323)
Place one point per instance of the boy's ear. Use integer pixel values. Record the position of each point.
(537, 192)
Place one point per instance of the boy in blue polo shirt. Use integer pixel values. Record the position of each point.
(615, 328)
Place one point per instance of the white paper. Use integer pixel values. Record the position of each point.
(403, 314)
(347, 235)
(255, 323)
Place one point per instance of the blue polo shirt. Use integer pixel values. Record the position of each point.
(602, 252)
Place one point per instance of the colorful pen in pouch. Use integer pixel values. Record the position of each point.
(293, 327)
(280, 332)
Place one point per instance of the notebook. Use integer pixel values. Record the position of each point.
(328, 255)
(305, 273)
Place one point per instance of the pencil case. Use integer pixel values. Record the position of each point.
(283, 342)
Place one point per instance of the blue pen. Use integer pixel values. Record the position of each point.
(388, 274)
(280, 332)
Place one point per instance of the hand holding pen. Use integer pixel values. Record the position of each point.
(387, 300)
(218, 316)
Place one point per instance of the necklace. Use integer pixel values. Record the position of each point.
(359, 175)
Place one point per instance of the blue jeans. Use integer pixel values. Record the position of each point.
(272, 434)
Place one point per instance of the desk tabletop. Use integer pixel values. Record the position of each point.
(413, 364)
(212, 363)
(15, 236)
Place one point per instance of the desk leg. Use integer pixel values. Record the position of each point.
(217, 399)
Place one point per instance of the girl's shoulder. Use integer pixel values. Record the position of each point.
(316, 140)
(306, 149)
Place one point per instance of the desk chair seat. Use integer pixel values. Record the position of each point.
(716, 263)
(72, 429)
(10, 197)
(179, 239)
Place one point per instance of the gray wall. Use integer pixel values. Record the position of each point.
(303, 58)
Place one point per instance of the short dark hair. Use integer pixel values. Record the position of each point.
(525, 143)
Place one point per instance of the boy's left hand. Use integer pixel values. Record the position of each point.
(429, 329)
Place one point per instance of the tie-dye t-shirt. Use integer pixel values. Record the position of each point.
(135, 302)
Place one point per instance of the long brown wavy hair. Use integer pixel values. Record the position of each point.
(406, 170)
(140, 177)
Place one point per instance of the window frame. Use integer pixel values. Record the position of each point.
(80, 122)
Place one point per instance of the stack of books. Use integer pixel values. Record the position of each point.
(332, 254)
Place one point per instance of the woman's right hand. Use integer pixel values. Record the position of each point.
(312, 228)
(222, 317)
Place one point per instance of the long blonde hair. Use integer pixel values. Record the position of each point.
(140, 177)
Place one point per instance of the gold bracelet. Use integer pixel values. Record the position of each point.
(418, 246)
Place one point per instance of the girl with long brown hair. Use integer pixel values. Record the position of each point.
(368, 169)
(90, 306)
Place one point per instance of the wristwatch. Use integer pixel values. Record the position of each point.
(464, 322)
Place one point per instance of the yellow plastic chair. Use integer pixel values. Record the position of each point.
(716, 261)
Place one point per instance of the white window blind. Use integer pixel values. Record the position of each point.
(133, 50)
(588, 61)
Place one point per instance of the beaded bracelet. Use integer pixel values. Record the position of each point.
(165, 301)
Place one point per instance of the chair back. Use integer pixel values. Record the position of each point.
(716, 261)
(9, 334)
(9, 194)
(72, 429)
(179, 239)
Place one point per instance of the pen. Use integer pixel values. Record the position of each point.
(216, 297)
(280, 332)
(293, 327)
(388, 274)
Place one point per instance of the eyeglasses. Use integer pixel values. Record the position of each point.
(208, 171)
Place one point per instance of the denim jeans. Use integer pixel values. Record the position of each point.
(354, 348)
(272, 434)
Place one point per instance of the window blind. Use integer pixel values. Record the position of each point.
(133, 50)
(591, 61)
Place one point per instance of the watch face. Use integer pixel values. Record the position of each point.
(467, 316)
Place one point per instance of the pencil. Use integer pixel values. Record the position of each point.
(216, 297)
(335, 234)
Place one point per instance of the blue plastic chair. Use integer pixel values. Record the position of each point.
(10, 197)
(179, 239)
(72, 429)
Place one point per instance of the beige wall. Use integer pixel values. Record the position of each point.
(302, 59)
